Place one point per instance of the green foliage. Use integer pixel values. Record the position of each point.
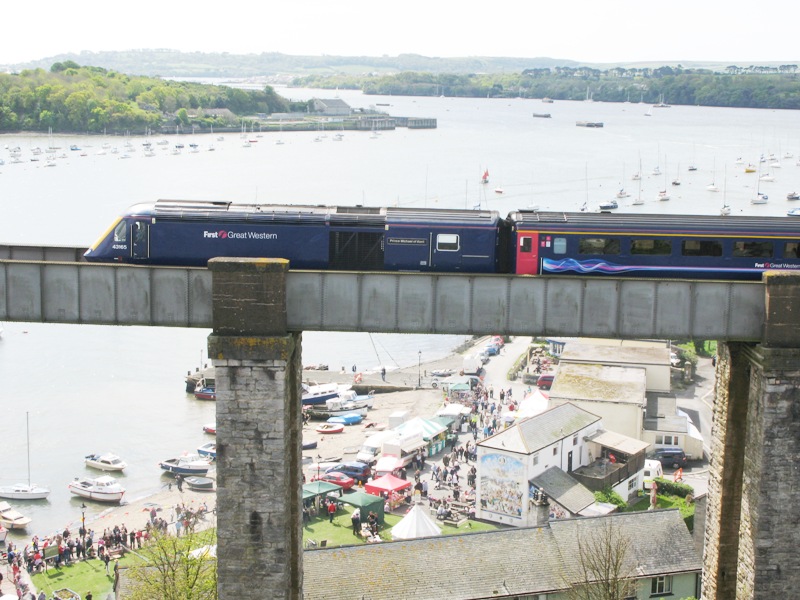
(673, 488)
(688, 352)
(610, 497)
(71, 98)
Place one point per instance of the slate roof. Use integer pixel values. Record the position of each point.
(564, 489)
(540, 431)
(497, 564)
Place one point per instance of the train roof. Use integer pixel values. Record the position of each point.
(201, 210)
(609, 222)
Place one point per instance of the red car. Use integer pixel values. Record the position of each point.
(336, 478)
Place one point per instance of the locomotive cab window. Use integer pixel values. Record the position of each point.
(651, 246)
(791, 250)
(598, 246)
(525, 244)
(447, 242)
(755, 249)
(701, 248)
(121, 232)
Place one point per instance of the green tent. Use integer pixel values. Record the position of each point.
(319, 488)
(366, 502)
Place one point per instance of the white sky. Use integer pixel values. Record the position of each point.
(592, 31)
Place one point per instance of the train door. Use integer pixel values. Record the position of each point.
(527, 252)
(445, 251)
(140, 240)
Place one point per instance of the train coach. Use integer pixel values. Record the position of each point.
(359, 238)
(652, 245)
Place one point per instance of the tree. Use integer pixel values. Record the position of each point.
(169, 572)
(604, 569)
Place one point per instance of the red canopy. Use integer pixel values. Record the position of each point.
(388, 483)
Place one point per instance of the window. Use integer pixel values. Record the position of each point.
(701, 248)
(661, 585)
(791, 250)
(633, 484)
(555, 450)
(525, 244)
(447, 242)
(536, 459)
(652, 246)
(598, 246)
(121, 232)
(671, 440)
(559, 245)
(755, 249)
(575, 440)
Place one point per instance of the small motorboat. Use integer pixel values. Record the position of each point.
(337, 408)
(309, 445)
(188, 464)
(794, 212)
(793, 196)
(105, 462)
(209, 450)
(210, 428)
(101, 489)
(330, 428)
(610, 205)
(199, 483)
(206, 393)
(348, 419)
(319, 394)
(11, 519)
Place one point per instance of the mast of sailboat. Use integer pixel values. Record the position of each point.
(28, 443)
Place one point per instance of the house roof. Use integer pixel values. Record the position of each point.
(600, 383)
(534, 433)
(612, 354)
(332, 102)
(617, 441)
(564, 489)
(498, 564)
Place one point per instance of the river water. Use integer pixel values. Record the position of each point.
(96, 389)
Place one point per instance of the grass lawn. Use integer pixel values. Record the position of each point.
(90, 575)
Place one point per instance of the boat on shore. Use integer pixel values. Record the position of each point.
(326, 428)
(203, 484)
(321, 393)
(335, 408)
(12, 519)
(105, 462)
(208, 450)
(188, 464)
(100, 489)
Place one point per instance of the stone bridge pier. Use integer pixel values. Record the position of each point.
(753, 517)
(259, 431)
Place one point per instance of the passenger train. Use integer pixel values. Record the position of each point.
(364, 238)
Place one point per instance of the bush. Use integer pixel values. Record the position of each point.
(611, 497)
(668, 487)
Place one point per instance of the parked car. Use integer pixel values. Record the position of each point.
(491, 349)
(498, 340)
(335, 477)
(545, 382)
(669, 457)
(357, 470)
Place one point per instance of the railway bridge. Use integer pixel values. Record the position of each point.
(257, 309)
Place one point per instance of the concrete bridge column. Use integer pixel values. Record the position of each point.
(754, 484)
(259, 429)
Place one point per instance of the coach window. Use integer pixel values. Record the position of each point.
(559, 245)
(652, 246)
(753, 249)
(701, 248)
(598, 246)
(791, 250)
(447, 242)
(121, 232)
(525, 245)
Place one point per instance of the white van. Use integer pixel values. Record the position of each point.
(473, 364)
(373, 445)
(652, 469)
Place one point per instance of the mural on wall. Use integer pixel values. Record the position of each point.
(501, 485)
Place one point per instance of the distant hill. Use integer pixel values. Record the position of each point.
(172, 63)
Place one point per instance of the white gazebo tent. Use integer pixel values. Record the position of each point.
(415, 524)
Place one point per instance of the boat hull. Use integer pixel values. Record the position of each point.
(97, 496)
(24, 492)
(199, 483)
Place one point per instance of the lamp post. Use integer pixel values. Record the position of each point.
(83, 521)
(419, 365)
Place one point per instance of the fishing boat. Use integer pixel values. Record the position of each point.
(321, 393)
(188, 464)
(208, 450)
(105, 462)
(206, 393)
(25, 491)
(11, 519)
(326, 428)
(101, 489)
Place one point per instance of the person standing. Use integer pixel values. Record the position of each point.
(356, 519)
(179, 481)
(383, 373)
(331, 511)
